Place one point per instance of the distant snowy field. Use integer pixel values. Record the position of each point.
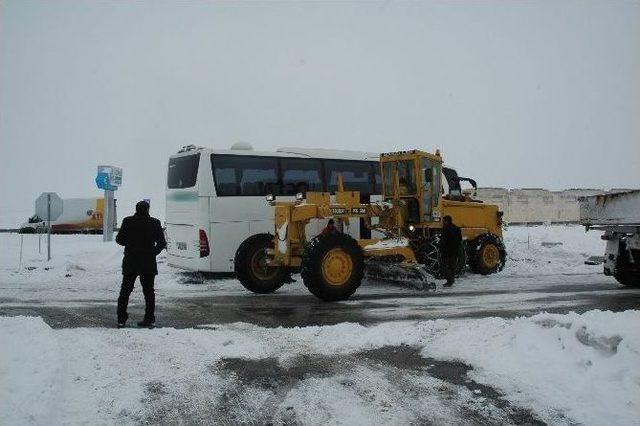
(566, 368)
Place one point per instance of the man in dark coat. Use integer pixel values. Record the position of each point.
(143, 239)
(450, 241)
(330, 228)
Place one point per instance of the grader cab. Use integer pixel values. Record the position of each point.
(333, 264)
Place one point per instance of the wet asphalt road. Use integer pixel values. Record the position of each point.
(289, 309)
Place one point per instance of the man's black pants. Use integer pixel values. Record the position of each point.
(449, 264)
(149, 297)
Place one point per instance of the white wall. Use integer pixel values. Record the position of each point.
(531, 205)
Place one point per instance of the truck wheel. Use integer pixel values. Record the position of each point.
(332, 267)
(428, 253)
(251, 268)
(624, 272)
(487, 254)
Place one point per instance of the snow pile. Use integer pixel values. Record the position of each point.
(535, 249)
(566, 368)
(388, 244)
(584, 367)
(70, 253)
(340, 339)
(29, 371)
(81, 267)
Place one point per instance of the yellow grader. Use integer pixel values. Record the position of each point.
(409, 218)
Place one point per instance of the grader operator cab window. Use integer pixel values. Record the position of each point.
(407, 188)
(406, 178)
(430, 187)
(388, 179)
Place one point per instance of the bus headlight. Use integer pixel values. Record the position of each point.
(412, 228)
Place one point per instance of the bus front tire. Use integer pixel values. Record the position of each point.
(251, 269)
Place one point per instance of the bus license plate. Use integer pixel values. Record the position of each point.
(181, 245)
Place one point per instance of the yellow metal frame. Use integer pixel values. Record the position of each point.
(291, 218)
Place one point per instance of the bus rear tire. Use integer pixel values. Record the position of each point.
(251, 269)
(332, 267)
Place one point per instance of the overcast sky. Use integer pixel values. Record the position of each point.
(515, 94)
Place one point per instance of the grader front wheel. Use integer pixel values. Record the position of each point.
(251, 268)
(332, 267)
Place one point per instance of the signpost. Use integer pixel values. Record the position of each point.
(49, 206)
(108, 178)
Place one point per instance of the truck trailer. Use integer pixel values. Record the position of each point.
(617, 214)
(79, 215)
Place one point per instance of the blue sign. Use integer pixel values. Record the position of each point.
(102, 180)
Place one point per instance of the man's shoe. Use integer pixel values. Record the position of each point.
(447, 285)
(145, 323)
(121, 325)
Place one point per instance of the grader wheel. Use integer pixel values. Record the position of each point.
(332, 267)
(488, 255)
(251, 268)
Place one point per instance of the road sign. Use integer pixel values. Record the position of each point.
(49, 207)
(42, 205)
(116, 176)
(109, 178)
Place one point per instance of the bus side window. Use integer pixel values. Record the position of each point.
(246, 176)
(226, 181)
(355, 175)
(300, 175)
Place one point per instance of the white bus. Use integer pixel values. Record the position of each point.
(215, 199)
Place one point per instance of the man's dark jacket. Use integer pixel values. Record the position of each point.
(143, 239)
(450, 240)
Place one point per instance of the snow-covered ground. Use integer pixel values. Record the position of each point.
(558, 368)
(564, 368)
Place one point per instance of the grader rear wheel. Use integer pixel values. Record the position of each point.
(487, 255)
(332, 267)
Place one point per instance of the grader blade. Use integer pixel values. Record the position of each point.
(410, 275)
